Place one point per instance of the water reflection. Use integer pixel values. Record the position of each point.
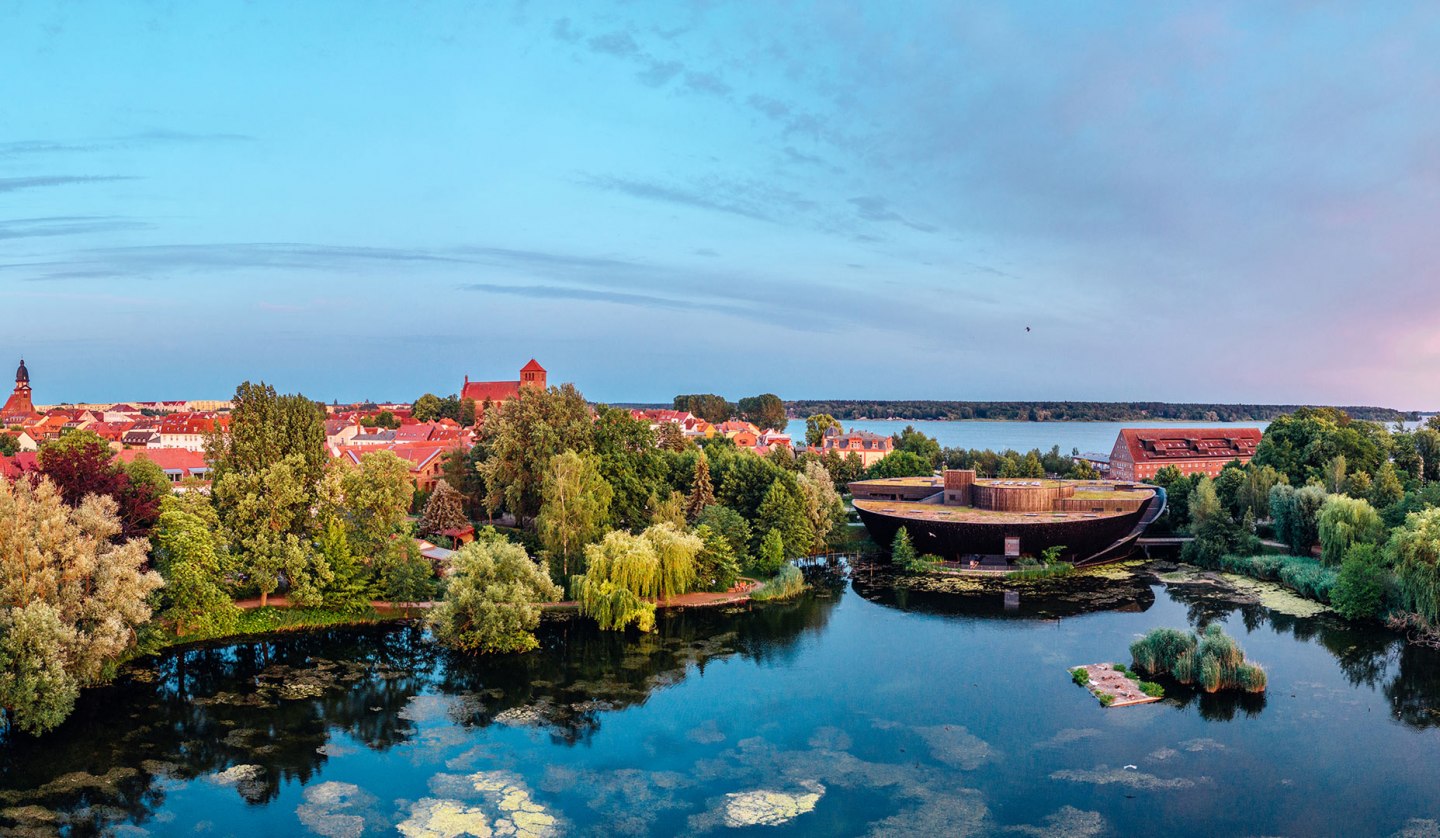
(973, 596)
(258, 715)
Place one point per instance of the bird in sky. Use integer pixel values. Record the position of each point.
(1027, 328)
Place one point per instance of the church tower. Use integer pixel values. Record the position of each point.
(19, 408)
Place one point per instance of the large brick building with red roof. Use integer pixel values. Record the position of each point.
(1140, 453)
(480, 392)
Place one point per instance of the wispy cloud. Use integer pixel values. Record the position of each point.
(67, 225)
(13, 184)
(153, 136)
(170, 259)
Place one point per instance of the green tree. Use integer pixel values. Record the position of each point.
(900, 464)
(765, 411)
(426, 408)
(1359, 592)
(195, 599)
(349, 588)
(1254, 494)
(702, 493)
(918, 444)
(670, 510)
(410, 578)
(522, 434)
(575, 511)
(1296, 513)
(633, 465)
(265, 517)
(732, 526)
(9, 444)
(1083, 470)
(467, 414)
(1344, 522)
(708, 406)
(444, 511)
(817, 425)
(820, 502)
(901, 549)
(491, 604)
(782, 512)
(71, 599)
(771, 555)
(373, 500)
(142, 471)
(1386, 491)
(266, 428)
(1414, 550)
(624, 571)
(716, 565)
(1301, 444)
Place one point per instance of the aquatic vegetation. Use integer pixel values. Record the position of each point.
(787, 583)
(335, 810)
(433, 818)
(1069, 736)
(1066, 822)
(765, 807)
(955, 746)
(1152, 689)
(1211, 659)
(1080, 675)
(1106, 699)
(1105, 776)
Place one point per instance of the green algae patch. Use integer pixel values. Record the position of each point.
(1275, 597)
(764, 807)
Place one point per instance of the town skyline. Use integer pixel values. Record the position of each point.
(1033, 200)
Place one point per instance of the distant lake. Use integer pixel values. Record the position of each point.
(1097, 437)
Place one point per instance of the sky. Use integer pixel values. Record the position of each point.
(1210, 202)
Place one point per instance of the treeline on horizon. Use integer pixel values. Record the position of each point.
(852, 409)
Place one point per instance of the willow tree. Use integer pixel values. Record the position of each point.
(625, 570)
(71, 600)
(1344, 522)
(575, 511)
(492, 602)
(1414, 549)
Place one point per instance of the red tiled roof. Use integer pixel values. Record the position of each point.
(192, 423)
(168, 459)
(533, 366)
(20, 463)
(1166, 444)
(490, 391)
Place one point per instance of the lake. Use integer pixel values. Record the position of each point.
(858, 709)
(1088, 437)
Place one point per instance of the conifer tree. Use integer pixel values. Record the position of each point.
(444, 511)
(702, 492)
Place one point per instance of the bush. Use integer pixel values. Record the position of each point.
(1080, 675)
(1212, 659)
(1359, 592)
(787, 583)
(1120, 668)
(1301, 574)
(1153, 689)
(1106, 699)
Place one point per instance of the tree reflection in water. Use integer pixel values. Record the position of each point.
(275, 704)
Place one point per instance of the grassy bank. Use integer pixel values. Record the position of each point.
(261, 621)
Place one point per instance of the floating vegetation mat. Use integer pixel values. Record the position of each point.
(1103, 679)
(1234, 589)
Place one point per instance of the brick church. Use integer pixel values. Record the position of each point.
(480, 392)
(19, 409)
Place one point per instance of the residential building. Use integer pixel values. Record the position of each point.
(189, 430)
(870, 448)
(177, 463)
(1140, 453)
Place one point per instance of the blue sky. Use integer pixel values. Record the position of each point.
(1214, 202)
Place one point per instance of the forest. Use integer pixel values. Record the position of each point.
(1070, 411)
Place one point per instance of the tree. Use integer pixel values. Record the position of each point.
(918, 444)
(901, 464)
(902, 551)
(265, 516)
(80, 463)
(732, 526)
(468, 413)
(670, 437)
(576, 509)
(491, 603)
(702, 493)
(671, 510)
(781, 512)
(1301, 444)
(195, 599)
(522, 434)
(1334, 474)
(374, 500)
(444, 511)
(817, 425)
(819, 501)
(383, 419)
(1359, 592)
(349, 586)
(771, 555)
(1254, 494)
(625, 570)
(266, 428)
(1386, 490)
(765, 411)
(71, 599)
(9, 444)
(410, 578)
(143, 471)
(426, 408)
(1344, 522)
(1414, 550)
(708, 406)
(1083, 470)
(1296, 513)
(716, 565)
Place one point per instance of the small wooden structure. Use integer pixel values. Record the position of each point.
(1105, 680)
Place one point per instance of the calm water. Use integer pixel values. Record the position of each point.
(859, 709)
(1097, 437)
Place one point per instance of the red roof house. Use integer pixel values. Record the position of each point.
(1140, 453)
